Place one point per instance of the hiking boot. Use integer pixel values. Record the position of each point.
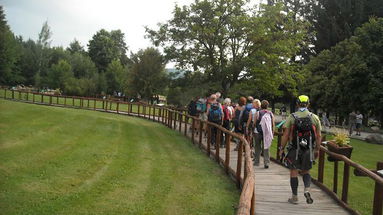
(293, 200)
(307, 195)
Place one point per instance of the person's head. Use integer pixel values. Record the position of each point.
(250, 99)
(213, 98)
(218, 94)
(256, 103)
(303, 101)
(264, 104)
(242, 101)
(357, 112)
(227, 101)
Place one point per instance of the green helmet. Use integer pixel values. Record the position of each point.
(303, 99)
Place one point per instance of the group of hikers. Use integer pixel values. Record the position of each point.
(251, 119)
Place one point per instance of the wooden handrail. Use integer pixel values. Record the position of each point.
(168, 116)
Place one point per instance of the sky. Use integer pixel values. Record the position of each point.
(81, 19)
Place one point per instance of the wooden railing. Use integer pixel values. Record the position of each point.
(175, 119)
(359, 170)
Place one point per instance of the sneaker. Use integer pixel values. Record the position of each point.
(293, 200)
(309, 200)
(256, 164)
(266, 166)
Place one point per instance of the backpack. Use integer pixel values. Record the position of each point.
(192, 110)
(258, 123)
(303, 132)
(246, 113)
(215, 113)
(226, 113)
(201, 106)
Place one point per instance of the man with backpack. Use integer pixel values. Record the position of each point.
(215, 115)
(303, 128)
(245, 117)
(264, 132)
(228, 112)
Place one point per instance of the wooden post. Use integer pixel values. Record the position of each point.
(186, 125)
(42, 98)
(149, 113)
(50, 99)
(33, 98)
(138, 110)
(252, 208)
(94, 104)
(321, 166)
(73, 101)
(103, 103)
(57, 99)
(346, 176)
(144, 110)
(335, 184)
(5, 93)
(175, 120)
(154, 113)
(88, 103)
(217, 143)
(208, 139)
(110, 104)
(65, 101)
(13, 94)
(239, 163)
(118, 106)
(27, 96)
(227, 154)
(378, 194)
(192, 126)
(279, 143)
(179, 122)
(200, 133)
(19, 95)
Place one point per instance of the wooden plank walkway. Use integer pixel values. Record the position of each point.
(272, 185)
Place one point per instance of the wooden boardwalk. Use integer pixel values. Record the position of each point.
(272, 185)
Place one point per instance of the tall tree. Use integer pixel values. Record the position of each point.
(147, 76)
(104, 47)
(43, 44)
(116, 77)
(227, 40)
(9, 54)
(75, 47)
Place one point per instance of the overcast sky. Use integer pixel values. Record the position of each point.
(81, 19)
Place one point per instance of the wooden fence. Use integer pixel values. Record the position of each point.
(174, 119)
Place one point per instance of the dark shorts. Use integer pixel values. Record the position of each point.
(358, 125)
(302, 163)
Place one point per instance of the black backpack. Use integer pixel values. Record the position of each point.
(258, 122)
(192, 108)
(303, 132)
(246, 113)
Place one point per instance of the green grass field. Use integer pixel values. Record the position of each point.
(70, 161)
(361, 189)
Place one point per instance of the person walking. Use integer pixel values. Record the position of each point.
(228, 112)
(251, 124)
(215, 115)
(264, 128)
(192, 111)
(238, 111)
(359, 120)
(303, 128)
(351, 122)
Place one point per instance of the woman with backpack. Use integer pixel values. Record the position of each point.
(238, 111)
(228, 112)
(214, 114)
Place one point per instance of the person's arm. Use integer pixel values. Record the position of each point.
(285, 136)
(208, 109)
(272, 118)
(222, 113)
(249, 119)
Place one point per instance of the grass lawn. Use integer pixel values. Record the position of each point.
(70, 161)
(361, 189)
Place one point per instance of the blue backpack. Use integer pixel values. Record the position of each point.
(201, 107)
(215, 113)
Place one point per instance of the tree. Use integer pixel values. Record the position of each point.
(104, 47)
(43, 45)
(228, 41)
(116, 77)
(9, 54)
(75, 47)
(147, 76)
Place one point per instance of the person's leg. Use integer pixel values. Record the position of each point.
(294, 186)
(257, 149)
(213, 135)
(266, 157)
(306, 166)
